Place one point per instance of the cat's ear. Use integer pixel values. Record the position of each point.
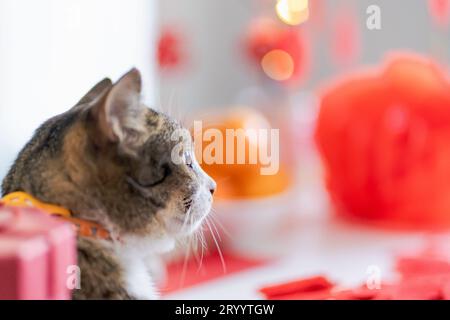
(121, 116)
(97, 91)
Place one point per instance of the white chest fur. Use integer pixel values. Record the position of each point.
(134, 254)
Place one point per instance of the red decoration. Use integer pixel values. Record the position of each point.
(384, 137)
(345, 37)
(266, 35)
(420, 279)
(36, 251)
(304, 286)
(440, 11)
(182, 275)
(170, 54)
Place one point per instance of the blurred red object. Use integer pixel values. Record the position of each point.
(440, 11)
(266, 35)
(384, 137)
(170, 54)
(315, 288)
(320, 288)
(35, 253)
(184, 274)
(421, 278)
(345, 37)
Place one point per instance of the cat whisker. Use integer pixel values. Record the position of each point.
(204, 243)
(221, 226)
(215, 229)
(195, 247)
(186, 258)
(222, 260)
(191, 239)
(201, 240)
(185, 222)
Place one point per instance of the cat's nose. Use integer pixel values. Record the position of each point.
(212, 187)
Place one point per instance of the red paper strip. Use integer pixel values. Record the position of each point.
(422, 278)
(308, 285)
(323, 294)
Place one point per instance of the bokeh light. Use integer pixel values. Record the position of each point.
(278, 65)
(292, 12)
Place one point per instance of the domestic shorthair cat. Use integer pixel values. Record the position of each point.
(108, 159)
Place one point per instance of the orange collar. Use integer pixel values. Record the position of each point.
(83, 227)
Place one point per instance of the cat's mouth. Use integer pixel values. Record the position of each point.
(189, 217)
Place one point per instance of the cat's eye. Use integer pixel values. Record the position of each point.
(150, 183)
(166, 173)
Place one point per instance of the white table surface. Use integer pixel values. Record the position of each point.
(322, 245)
(316, 244)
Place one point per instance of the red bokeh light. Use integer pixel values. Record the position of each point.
(169, 51)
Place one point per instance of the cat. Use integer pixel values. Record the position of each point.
(108, 159)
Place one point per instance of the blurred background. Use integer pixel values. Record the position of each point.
(53, 51)
(352, 190)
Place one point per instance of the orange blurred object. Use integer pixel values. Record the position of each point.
(242, 180)
(384, 136)
(278, 65)
(283, 52)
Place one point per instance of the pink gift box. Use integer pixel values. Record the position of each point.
(35, 253)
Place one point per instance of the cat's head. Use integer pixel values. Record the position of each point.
(121, 163)
(148, 162)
